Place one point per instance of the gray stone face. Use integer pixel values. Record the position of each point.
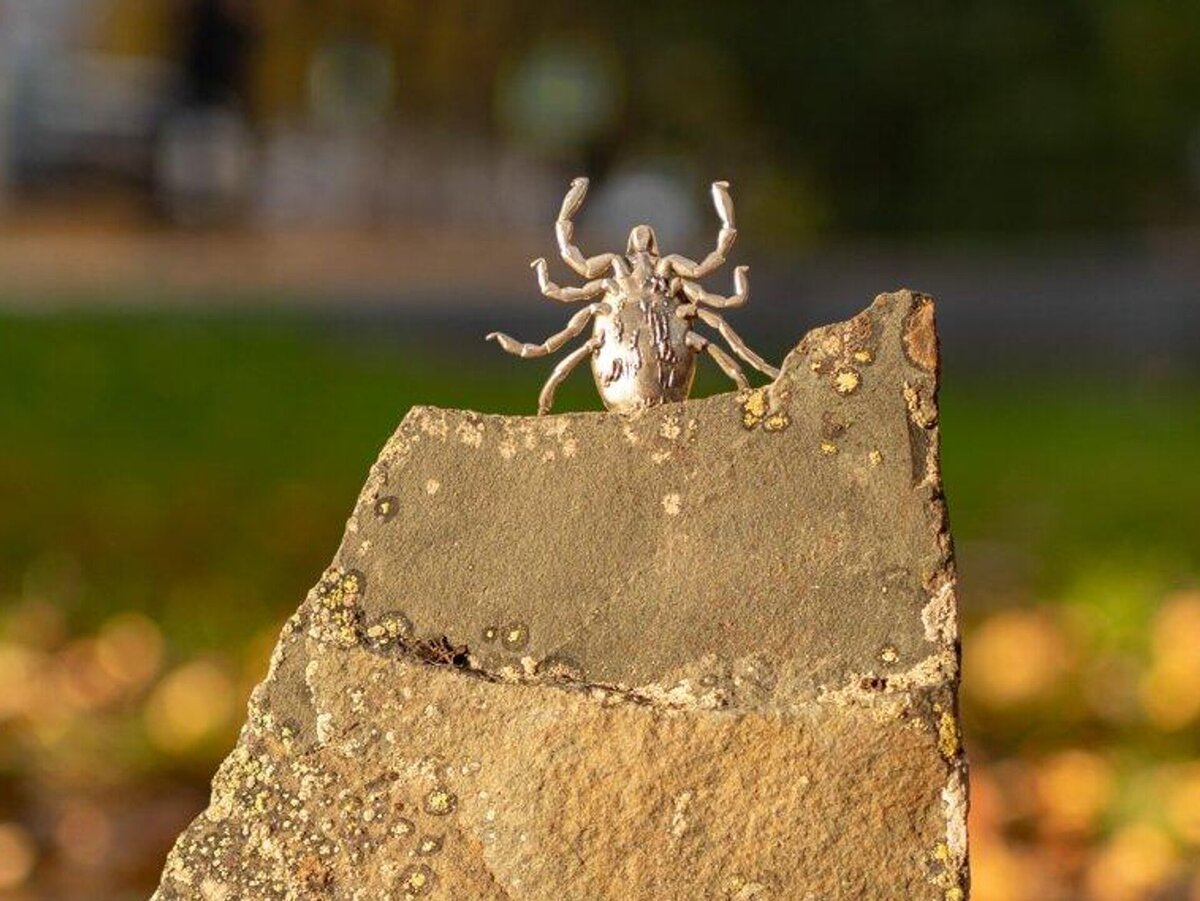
(707, 651)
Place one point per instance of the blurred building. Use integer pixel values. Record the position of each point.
(217, 112)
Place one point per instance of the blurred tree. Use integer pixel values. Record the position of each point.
(217, 41)
(862, 116)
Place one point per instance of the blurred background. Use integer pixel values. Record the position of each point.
(239, 239)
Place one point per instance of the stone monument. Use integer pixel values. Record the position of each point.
(704, 651)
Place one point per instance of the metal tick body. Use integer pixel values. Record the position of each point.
(643, 345)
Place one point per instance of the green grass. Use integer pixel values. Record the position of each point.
(200, 468)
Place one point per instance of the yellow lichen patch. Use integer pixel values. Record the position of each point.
(430, 844)
(777, 422)
(754, 408)
(440, 802)
(386, 507)
(875, 457)
(515, 636)
(889, 655)
(403, 828)
(672, 504)
(846, 381)
(828, 448)
(948, 742)
(417, 880)
(863, 356)
(351, 583)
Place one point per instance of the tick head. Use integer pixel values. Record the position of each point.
(642, 240)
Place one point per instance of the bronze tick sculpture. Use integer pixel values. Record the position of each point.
(643, 346)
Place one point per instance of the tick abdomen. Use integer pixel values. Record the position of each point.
(643, 358)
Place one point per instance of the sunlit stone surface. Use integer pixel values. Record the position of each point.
(709, 651)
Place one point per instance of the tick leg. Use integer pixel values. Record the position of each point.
(727, 363)
(564, 229)
(739, 346)
(741, 286)
(577, 324)
(567, 295)
(562, 370)
(681, 265)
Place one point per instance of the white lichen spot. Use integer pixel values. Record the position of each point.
(508, 448)
(954, 806)
(471, 433)
(432, 711)
(630, 435)
(659, 457)
(679, 823)
(889, 655)
(940, 615)
(670, 428)
(432, 487)
(921, 409)
(324, 727)
(570, 447)
(672, 504)
(548, 456)
(777, 422)
(438, 428)
(555, 427)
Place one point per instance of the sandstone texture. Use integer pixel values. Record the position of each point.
(708, 651)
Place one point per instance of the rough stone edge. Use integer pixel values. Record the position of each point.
(940, 616)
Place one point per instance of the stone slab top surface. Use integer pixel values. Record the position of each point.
(800, 523)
